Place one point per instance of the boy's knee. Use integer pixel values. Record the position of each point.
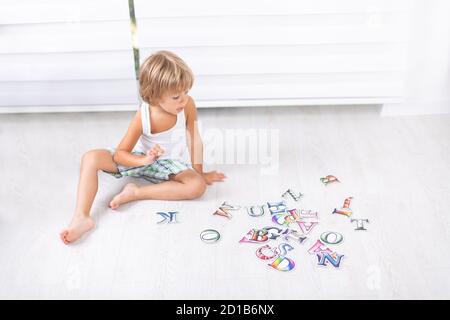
(197, 188)
(90, 159)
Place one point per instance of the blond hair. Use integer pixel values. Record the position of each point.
(163, 72)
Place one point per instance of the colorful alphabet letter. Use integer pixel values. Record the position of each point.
(255, 236)
(329, 179)
(335, 260)
(360, 223)
(294, 195)
(170, 216)
(345, 210)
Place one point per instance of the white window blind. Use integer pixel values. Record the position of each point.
(66, 55)
(78, 54)
(264, 52)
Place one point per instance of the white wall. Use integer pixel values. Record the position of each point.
(427, 76)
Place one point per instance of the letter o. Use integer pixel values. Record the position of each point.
(325, 237)
(210, 235)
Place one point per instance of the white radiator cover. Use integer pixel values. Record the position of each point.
(77, 56)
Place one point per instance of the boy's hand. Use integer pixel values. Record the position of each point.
(153, 154)
(213, 176)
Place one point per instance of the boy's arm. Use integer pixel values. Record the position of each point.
(195, 144)
(123, 155)
(194, 140)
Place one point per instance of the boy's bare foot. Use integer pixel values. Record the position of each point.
(79, 226)
(126, 195)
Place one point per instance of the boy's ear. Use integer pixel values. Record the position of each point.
(155, 101)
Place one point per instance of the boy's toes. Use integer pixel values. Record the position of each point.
(63, 236)
(113, 205)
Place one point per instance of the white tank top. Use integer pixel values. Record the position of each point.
(173, 141)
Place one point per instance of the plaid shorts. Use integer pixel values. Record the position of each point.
(157, 172)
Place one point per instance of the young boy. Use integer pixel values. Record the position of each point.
(162, 145)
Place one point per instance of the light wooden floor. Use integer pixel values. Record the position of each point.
(397, 170)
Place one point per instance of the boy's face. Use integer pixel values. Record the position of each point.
(174, 102)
